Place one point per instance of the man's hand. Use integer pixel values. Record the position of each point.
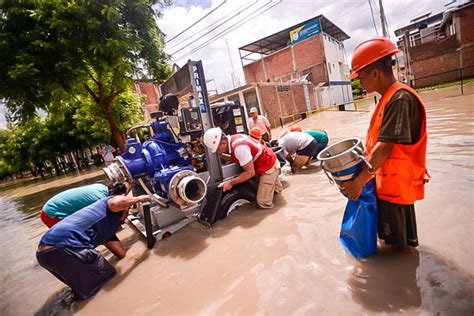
(124, 216)
(293, 170)
(353, 189)
(120, 202)
(143, 198)
(226, 186)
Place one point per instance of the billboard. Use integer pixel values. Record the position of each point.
(306, 30)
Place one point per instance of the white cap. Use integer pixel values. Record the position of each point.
(253, 110)
(212, 138)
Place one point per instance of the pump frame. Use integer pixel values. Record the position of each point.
(188, 79)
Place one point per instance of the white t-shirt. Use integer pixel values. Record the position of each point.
(243, 154)
(294, 141)
(261, 123)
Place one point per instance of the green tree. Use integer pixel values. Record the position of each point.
(90, 121)
(51, 47)
(356, 87)
(5, 168)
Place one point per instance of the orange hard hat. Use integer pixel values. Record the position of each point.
(255, 133)
(369, 52)
(296, 129)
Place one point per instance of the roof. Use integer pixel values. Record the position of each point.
(279, 40)
(414, 26)
(431, 19)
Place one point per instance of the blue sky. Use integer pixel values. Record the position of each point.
(198, 3)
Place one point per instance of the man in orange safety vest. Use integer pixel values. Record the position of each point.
(396, 144)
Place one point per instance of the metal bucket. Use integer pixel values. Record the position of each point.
(343, 160)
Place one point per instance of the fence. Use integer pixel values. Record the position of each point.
(454, 76)
(360, 105)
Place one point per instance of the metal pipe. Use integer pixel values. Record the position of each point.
(198, 192)
(155, 197)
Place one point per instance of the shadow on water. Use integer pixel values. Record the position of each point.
(60, 303)
(386, 281)
(390, 281)
(63, 301)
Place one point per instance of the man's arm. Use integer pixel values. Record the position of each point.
(353, 188)
(120, 202)
(226, 157)
(116, 248)
(268, 126)
(248, 173)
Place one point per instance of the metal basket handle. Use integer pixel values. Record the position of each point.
(358, 155)
(331, 179)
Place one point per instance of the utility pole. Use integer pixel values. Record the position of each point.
(382, 20)
(231, 64)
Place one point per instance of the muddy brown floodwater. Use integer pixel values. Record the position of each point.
(287, 260)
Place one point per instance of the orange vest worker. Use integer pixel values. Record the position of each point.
(401, 178)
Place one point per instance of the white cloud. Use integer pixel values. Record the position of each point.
(353, 17)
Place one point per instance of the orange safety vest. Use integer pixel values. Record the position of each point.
(263, 157)
(401, 178)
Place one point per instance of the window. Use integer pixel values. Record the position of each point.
(283, 88)
(233, 97)
(251, 100)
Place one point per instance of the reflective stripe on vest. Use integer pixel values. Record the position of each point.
(242, 140)
(263, 157)
(400, 179)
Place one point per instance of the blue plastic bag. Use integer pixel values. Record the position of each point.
(359, 224)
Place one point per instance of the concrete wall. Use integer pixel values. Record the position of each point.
(151, 95)
(309, 53)
(279, 64)
(279, 100)
(291, 63)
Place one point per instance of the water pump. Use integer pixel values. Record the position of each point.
(161, 164)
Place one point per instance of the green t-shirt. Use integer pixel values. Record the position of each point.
(70, 201)
(319, 136)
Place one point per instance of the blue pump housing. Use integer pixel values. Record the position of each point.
(158, 159)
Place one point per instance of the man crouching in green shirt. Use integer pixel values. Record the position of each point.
(321, 137)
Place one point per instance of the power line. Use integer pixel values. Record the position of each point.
(199, 20)
(239, 12)
(376, 7)
(206, 27)
(224, 32)
(373, 19)
(349, 11)
(230, 28)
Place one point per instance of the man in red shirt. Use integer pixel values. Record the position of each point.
(256, 160)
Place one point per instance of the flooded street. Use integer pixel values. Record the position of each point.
(287, 260)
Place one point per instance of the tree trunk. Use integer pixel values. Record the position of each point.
(117, 134)
(106, 102)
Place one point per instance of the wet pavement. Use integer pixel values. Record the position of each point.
(287, 260)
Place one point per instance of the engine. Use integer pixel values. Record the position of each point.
(162, 165)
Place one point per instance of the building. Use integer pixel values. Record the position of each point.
(299, 69)
(149, 95)
(438, 48)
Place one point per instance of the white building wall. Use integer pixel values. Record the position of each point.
(339, 90)
(335, 59)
